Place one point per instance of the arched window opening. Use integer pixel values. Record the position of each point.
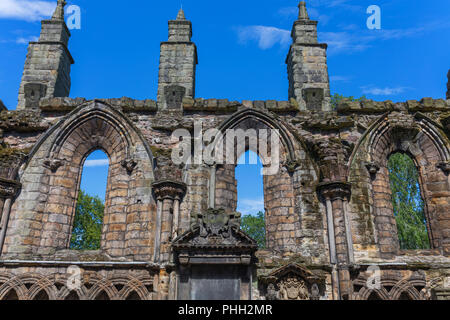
(42, 295)
(72, 296)
(102, 296)
(88, 221)
(374, 296)
(133, 296)
(250, 196)
(409, 207)
(404, 296)
(12, 295)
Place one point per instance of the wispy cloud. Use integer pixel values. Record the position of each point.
(26, 40)
(251, 206)
(96, 163)
(383, 91)
(27, 10)
(266, 36)
(340, 78)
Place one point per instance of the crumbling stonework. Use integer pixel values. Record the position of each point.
(330, 221)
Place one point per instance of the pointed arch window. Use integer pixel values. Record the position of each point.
(88, 220)
(407, 202)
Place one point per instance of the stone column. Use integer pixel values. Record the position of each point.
(336, 196)
(8, 191)
(168, 196)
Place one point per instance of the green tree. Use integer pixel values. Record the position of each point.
(255, 227)
(337, 98)
(408, 203)
(87, 227)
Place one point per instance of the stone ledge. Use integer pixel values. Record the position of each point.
(60, 104)
(131, 105)
(22, 121)
(224, 105)
(370, 106)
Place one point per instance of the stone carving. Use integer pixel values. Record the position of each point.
(272, 293)
(53, 164)
(293, 288)
(215, 225)
(34, 92)
(294, 282)
(372, 167)
(291, 165)
(174, 96)
(129, 164)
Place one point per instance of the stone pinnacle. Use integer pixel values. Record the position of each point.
(59, 11)
(303, 13)
(180, 15)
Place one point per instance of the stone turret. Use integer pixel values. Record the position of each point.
(307, 65)
(177, 64)
(46, 72)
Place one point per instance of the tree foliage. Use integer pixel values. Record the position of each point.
(337, 98)
(408, 203)
(87, 227)
(255, 227)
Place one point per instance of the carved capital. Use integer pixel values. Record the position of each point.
(9, 188)
(445, 167)
(334, 190)
(169, 189)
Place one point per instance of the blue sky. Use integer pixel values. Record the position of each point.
(242, 46)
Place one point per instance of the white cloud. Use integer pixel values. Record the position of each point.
(23, 40)
(251, 206)
(340, 78)
(266, 36)
(27, 10)
(96, 163)
(383, 91)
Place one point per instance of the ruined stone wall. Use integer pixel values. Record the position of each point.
(46, 149)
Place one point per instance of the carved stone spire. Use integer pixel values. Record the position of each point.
(302, 13)
(180, 15)
(59, 11)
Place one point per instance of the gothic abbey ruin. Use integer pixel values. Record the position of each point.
(171, 232)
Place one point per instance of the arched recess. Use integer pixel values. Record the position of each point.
(371, 206)
(287, 191)
(51, 179)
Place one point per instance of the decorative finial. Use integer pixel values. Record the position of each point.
(302, 14)
(59, 11)
(180, 15)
